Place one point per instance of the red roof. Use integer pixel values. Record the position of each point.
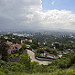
(13, 47)
(22, 40)
(50, 54)
(9, 43)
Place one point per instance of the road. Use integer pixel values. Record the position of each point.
(32, 56)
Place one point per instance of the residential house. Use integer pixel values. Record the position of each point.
(27, 46)
(38, 43)
(30, 40)
(46, 54)
(26, 40)
(5, 37)
(22, 41)
(13, 47)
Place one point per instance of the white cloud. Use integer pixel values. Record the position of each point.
(54, 19)
(28, 14)
(53, 2)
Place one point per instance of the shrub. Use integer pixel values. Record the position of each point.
(25, 60)
(66, 61)
(2, 62)
(6, 71)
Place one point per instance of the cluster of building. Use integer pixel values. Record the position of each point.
(46, 54)
(23, 35)
(13, 47)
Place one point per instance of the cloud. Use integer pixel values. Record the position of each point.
(13, 13)
(61, 19)
(29, 15)
(53, 2)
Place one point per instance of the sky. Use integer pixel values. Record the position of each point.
(59, 4)
(37, 15)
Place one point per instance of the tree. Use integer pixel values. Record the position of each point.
(25, 60)
(4, 50)
(34, 65)
(54, 51)
(66, 61)
(61, 47)
(24, 46)
(56, 45)
(39, 51)
(33, 46)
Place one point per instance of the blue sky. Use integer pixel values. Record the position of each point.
(59, 4)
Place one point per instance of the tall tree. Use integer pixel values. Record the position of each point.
(4, 50)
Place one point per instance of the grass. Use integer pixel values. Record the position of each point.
(69, 71)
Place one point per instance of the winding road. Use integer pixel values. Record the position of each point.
(32, 56)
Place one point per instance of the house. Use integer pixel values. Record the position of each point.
(13, 47)
(52, 56)
(60, 56)
(30, 40)
(27, 46)
(26, 40)
(9, 43)
(5, 37)
(46, 54)
(22, 41)
(42, 54)
(38, 43)
(13, 38)
(65, 52)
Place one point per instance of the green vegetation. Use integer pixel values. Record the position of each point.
(3, 50)
(25, 60)
(33, 46)
(26, 67)
(63, 66)
(66, 61)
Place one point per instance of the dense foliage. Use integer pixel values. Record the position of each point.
(53, 45)
(4, 50)
(26, 66)
(66, 61)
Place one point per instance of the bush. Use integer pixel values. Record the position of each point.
(2, 62)
(66, 61)
(25, 60)
(6, 71)
(12, 66)
(33, 46)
